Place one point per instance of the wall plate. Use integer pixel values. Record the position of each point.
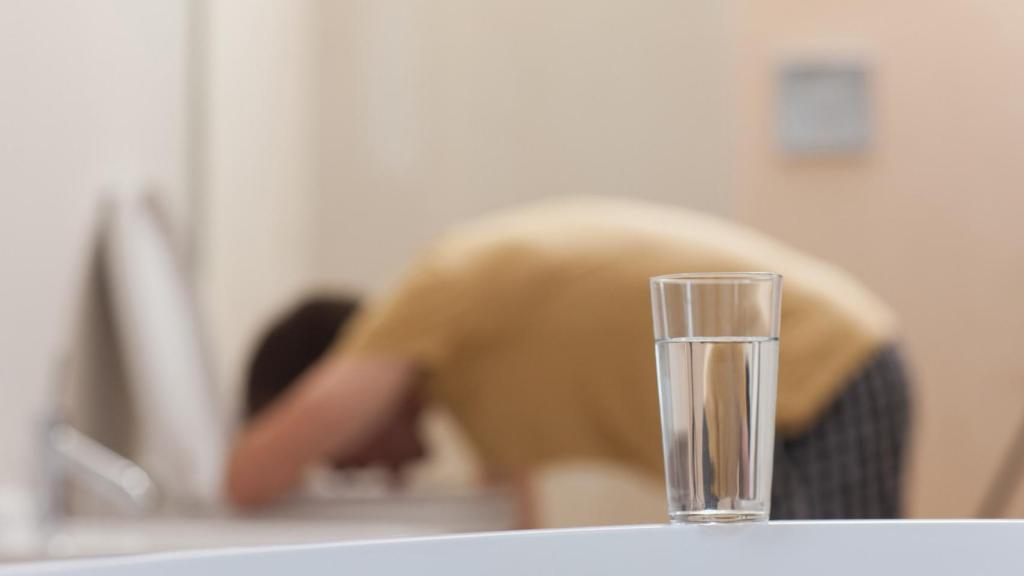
(824, 106)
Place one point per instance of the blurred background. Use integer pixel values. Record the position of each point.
(285, 138)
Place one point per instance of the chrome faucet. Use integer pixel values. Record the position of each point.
(67, 454)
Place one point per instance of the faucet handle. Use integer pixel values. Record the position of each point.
(112, 477)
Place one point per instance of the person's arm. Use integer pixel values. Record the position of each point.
(333, 408)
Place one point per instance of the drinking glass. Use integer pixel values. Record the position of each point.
(717, 346)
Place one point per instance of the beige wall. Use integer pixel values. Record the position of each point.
(437, 111)
(930, 217)
(342, 135)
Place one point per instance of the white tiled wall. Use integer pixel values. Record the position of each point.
(92, 96)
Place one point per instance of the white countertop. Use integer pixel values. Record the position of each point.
(762, 549)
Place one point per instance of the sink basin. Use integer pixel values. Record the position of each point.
(298, 521)
(104, 536)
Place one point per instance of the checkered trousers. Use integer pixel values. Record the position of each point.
(850, 464)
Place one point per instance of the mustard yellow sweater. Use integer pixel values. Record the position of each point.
(534, 325)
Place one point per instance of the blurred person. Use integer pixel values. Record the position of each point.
(532, 327)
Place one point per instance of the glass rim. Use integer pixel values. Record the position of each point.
(716, 277)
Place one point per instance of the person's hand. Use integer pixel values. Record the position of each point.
(343, 410)
(396, 445)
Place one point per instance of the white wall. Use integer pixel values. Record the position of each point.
(92, 95)
(342, 134)
(261, 183)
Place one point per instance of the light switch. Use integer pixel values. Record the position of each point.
(824, 107)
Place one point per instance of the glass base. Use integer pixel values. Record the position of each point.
(717, 517)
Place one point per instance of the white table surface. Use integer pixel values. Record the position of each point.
(782, 548)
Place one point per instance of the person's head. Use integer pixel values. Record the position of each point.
(293, 343)
(296, 341)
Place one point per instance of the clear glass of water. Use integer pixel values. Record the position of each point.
(717, 346)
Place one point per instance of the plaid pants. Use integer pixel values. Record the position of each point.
(850, 464)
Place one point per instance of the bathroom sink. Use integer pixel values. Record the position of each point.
(299, 521)
(104, 536)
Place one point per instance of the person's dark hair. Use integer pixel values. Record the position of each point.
(292, 344)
